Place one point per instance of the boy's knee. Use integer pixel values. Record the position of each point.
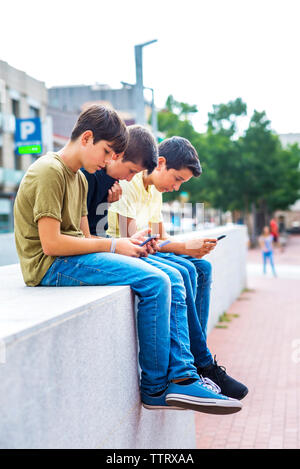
(161, 282)
(188, 274)
(204, 269)
(192, 270)
(177, 285)
(193, 275)
(177, 275)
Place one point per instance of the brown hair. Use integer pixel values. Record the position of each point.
(105, 125)
(180, 153)
(142, 148)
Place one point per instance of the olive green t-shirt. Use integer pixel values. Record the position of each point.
(48, 189)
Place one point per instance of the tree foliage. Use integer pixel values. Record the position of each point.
(238, 172)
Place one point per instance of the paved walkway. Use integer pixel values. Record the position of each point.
(261, 347)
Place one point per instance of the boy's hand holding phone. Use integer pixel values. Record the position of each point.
(142, 235)
(151, 244)
(200, 247)
(209, 244)
(145, 240)
(130, 247)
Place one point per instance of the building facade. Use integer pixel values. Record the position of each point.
(21, 96)
(66, 103)
(72, 98)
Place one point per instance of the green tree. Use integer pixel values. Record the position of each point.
(223, 119)
(288, 173)
(270, 173)
(245, 173)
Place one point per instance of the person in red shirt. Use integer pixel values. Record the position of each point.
(274, 229)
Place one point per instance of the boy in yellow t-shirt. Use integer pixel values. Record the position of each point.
(139, 207)
(143, 205)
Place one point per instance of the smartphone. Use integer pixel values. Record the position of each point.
(149, 239)
(164, 243)
(218, 238)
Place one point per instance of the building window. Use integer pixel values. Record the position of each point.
(15, 104)
(34, 112)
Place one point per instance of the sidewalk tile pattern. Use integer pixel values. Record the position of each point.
(261, 348)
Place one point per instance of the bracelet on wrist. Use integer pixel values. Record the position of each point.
(113, 245)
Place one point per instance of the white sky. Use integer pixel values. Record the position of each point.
(207, 52)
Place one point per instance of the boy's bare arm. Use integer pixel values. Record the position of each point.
(192, 247)
(54, 243)
(84, 226)
(159, 228)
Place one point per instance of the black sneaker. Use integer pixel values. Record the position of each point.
(229, 386)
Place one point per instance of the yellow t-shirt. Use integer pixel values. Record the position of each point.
(48, 189)
(144, 205)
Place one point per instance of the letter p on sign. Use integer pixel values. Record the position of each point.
(26, 128)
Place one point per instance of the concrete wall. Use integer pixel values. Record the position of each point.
(69, 372)
(68, 362)
(229, 270)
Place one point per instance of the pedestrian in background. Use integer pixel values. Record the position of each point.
(274, 229)
(266, 243)
(282, 234)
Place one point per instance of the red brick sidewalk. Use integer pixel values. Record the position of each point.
(261, 347)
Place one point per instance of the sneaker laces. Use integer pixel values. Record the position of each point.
(209, 384)
(220, 368)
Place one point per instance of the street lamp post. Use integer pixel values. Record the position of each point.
(139, 87)
(154, 123)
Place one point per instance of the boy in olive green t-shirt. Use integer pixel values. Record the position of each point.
(63, 200)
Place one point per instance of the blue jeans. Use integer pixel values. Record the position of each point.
(204, 272)
(196, 275)
(268, 255)
(164, 351)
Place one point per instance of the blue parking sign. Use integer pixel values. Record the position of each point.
(28, 136)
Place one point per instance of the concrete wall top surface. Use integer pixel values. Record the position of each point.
(25, 309)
